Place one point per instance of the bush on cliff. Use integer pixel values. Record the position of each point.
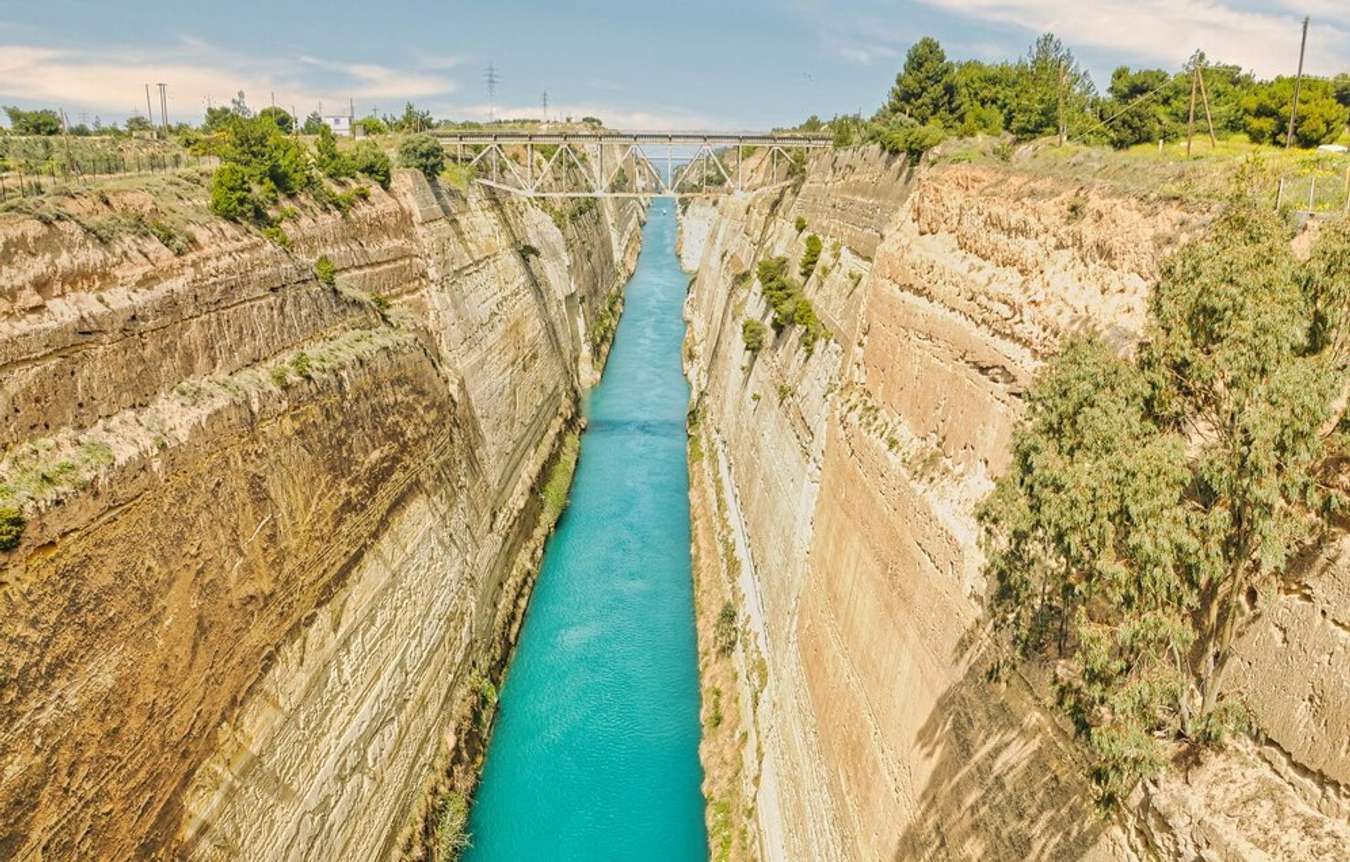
(810, 257)
(790, 306)
(1150, 499)
(752, 333)
(424, 153)
(11, 527)
(259, 165)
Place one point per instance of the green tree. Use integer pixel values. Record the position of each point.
(984, 96)
(279, 117)
(259, 164)
(1321, 118)
(1138, 105)
(232, 195)
(1147, 498)
(368, 159)
(424, 153)
(1341, 86)
(138, 124)
(313, 123)
(810, 256)
(925, 89)
(43, 121)
(411, 120)
(332, 163)
(1053, 92)
(217, 119)
(753, 333)
(372, 125)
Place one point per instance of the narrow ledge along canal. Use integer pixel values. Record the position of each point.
(595, 751)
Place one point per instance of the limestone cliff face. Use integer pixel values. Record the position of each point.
(851, 474)
(275, 528)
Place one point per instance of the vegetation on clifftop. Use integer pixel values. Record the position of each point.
(1048, 92)
(1151, 502)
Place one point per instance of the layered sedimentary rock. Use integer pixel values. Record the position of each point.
(851, 472)
(278, 530)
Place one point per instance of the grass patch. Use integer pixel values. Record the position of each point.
(559, 480)
(458, 176)
(452, 833)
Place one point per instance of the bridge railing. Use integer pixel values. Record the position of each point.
(621, 164)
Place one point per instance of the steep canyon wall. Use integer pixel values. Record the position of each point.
(844, 480)
(278, 530)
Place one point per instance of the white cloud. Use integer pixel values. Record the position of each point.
(1167, 31)
(111, 80)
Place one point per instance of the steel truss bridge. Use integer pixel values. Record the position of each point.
(629, 164)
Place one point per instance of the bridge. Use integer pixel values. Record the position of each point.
(622, 164)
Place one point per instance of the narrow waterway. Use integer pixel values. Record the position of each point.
(595, 753)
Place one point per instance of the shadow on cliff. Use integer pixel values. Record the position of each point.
(1004, 783)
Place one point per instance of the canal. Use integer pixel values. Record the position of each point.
(595, 752)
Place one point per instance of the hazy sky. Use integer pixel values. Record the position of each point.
(636, 64)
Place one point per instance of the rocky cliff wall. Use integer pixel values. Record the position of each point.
(851, 473)
(278, 530)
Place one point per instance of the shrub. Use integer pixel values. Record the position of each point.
(11, 527)
(1147, 498)
(301, 364)
(325, 271)
(424, 153)
(752, 333)
(369, 160)
(328, 159)
(913, 141)
(800, 223)
(280, 118)
(258, 164)
(232, 195)
(724, 630)
(452, 820)
(810, 257)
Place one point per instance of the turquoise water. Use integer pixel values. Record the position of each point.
(595, 753)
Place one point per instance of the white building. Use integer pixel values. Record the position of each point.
(341, 125)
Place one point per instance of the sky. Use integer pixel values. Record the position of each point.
(751, 64)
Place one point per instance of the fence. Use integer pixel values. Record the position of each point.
(36, 181)
(1323, 193)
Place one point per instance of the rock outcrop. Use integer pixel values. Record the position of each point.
(851, 472)
(279, 531)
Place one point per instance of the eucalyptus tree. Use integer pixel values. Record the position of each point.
(1151, 502)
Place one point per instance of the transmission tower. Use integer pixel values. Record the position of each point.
(491, 78)
(545, 103)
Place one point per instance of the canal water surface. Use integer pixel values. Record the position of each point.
(595, 752)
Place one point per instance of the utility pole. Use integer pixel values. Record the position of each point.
(164, 108)
(149, 115)
(1190, 117)
(1204, 98)
(1293, 111)
(545, 100)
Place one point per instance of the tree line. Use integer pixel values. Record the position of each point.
(1049, 93)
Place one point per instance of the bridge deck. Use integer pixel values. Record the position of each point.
(749, 139)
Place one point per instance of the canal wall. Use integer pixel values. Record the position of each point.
(834, 491)
(280, 527)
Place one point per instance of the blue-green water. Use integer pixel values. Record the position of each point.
(595, 753)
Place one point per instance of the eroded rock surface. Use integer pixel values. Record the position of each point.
(852, 473)
(277, 529)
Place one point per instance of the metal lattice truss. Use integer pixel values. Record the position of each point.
(614, 164)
